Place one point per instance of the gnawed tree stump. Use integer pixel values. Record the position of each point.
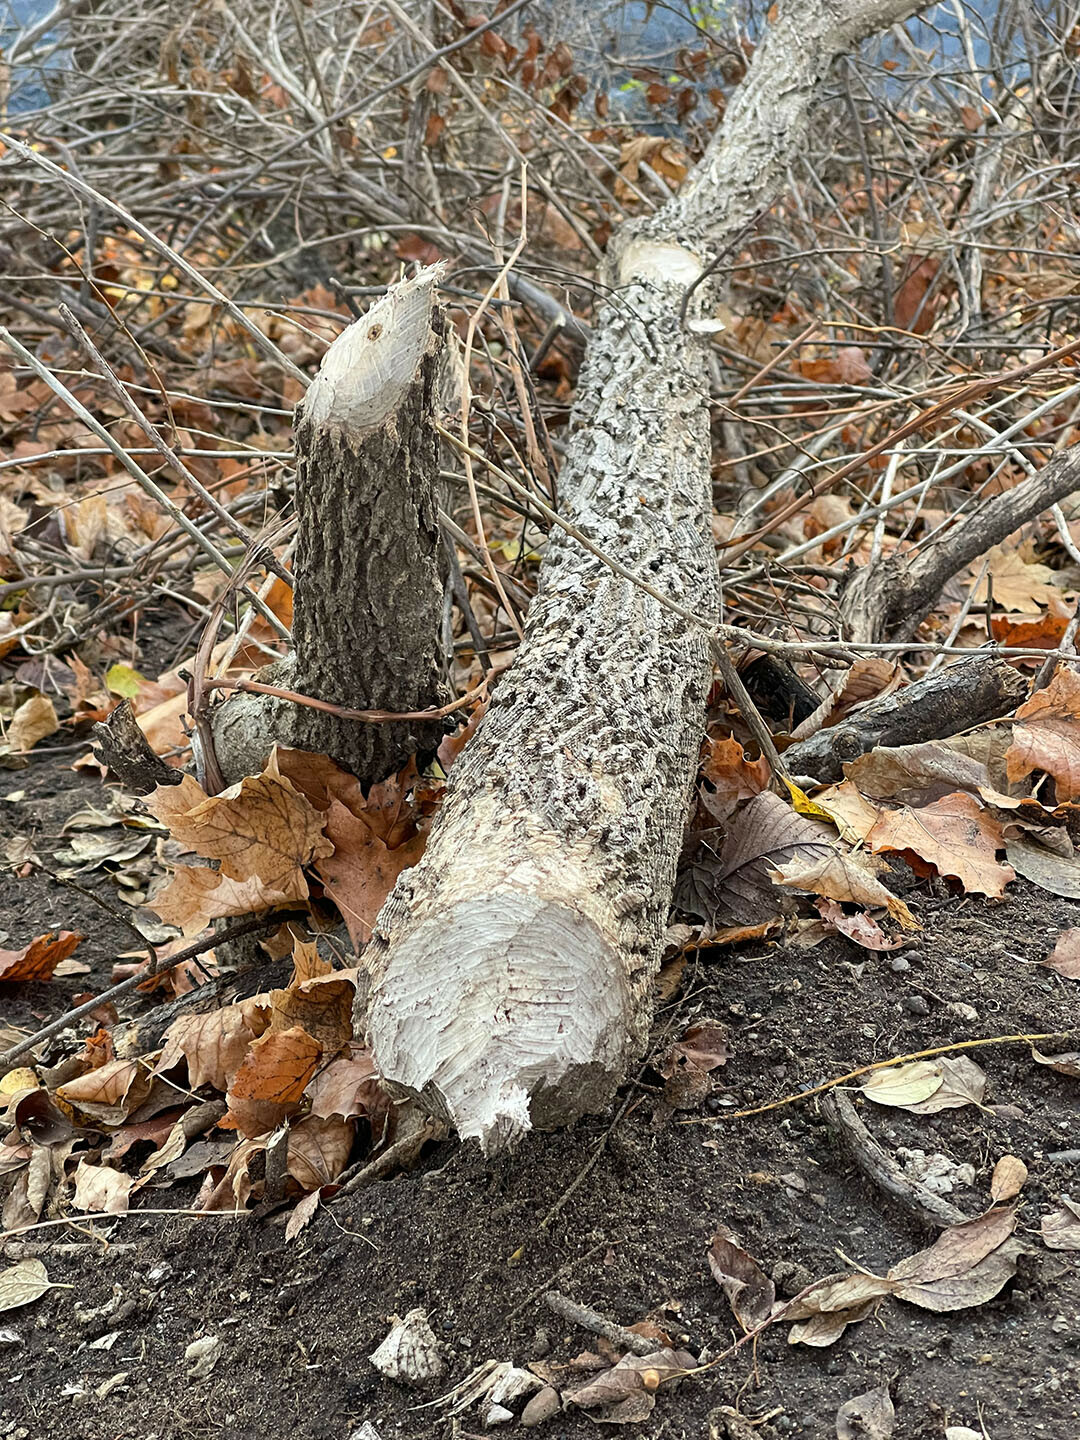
(370, 564)
(511, 968)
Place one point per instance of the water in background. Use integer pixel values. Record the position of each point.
(614, 40)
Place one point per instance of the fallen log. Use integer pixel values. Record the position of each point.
(370, 564)
(510, 969)
(933, 708)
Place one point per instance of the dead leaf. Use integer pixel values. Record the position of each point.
(731, 776)
(702, 1047)
(1018, 584)
(38, 960)
(1065, 958)
(918, 774)
(842, 878)
(1046, 735)
(1067, 1063)
(110, 1093)
(322, 1007)
(1055, 873)
(33, 721)
(277, 1067)
(859, 926)
(625, 1394)
(870, 1416)
(214, 1045)
(822, 1316)
(262, 828)
(867, 679)
(750, 1292)
(196, 895)
(302, 1215)
(904, 1085)
(363, 868)
(962, 1083)
(734, 883)
(307, 962)
(349, 1087)
(1060, 1228)
(101, 1190)
(954, 835)
(23, 1283)
(319, 1150)
(1008, 1179)
(967, 1265)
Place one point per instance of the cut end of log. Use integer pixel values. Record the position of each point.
(368, 368)
(506, 1012)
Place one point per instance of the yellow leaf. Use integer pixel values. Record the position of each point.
(903, 1084)
(124, 681)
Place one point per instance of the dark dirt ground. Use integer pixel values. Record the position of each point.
(298, 1321)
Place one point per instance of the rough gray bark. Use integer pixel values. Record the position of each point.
(890, 599)
(510, 969)
(370, 565)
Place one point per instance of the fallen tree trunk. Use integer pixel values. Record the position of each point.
(510, 970)
(370, 564)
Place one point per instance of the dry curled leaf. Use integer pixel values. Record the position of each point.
(843, 878)
(955, 835)
(349, 1087)
(967, 1265)
(1046, 735)
(1009, 1177)
(750, 1292)
(625, 1394)
(38, 960)
(319, 1150)
(1060, 1228)
(110, 1093)
(364, 867)
(732, 778)
(34, 720)
(1065, 958)
(870, 1416)
(1067, 1063)
(197, 895)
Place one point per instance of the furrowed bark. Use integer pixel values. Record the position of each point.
(510, 969)
(370, 565)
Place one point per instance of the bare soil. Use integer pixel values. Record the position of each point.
(466, 1239)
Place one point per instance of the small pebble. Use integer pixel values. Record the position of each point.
(543, 1405)
(916, 1005)
(898, 965)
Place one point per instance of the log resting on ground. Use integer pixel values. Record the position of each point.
(510, 970)
(370, 564)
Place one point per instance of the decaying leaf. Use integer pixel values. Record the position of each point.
(1060, 1228)
(23, 1283)
(302, 1215)
(322, 1007)
(38, 960)
(1065, 958)
(101, 1190)
(734, 884)
(857, 926)
(904, 1085)
(1008, 1179)
(626, 1394)
(823, 1315)
(841, 877)
(750, 1292)
(1067, 1063)
(214, 1044)
(319, 1150)
(967, 1265)
(870, 1416)
(732, 778)
(1046, 735)
(410, 1353)
(702, 1047)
